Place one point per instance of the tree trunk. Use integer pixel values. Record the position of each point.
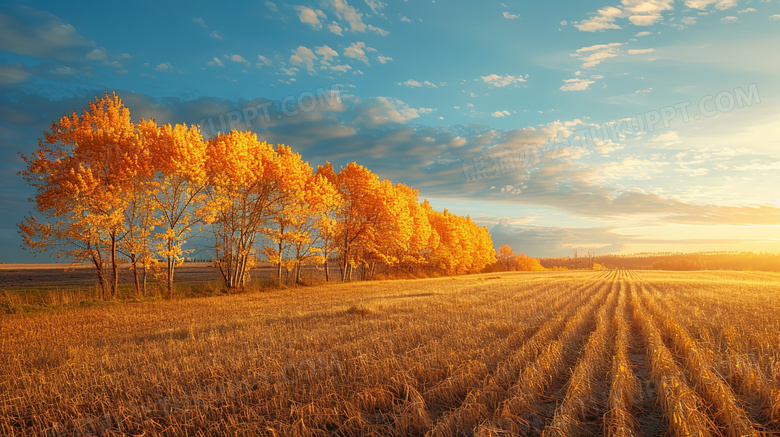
(114, 270)
(97, 261)
(170, 268)
(146, 274)
(327, 272)
(136, 281)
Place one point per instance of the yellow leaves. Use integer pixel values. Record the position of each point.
(102, 178)
(236, 161)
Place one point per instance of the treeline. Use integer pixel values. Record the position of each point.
(508, 261)
(111, 191)
(680, 261)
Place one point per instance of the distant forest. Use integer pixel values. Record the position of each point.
(674, 261)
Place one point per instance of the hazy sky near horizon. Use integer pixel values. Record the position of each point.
(625, 126)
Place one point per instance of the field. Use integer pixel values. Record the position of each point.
(556, 353)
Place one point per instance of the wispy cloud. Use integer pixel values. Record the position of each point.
(638, 13)
(500, 81)
(576, 84)
(596, 54)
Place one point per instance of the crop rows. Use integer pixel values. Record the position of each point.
(614, 353)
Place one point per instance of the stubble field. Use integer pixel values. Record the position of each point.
(556, 353)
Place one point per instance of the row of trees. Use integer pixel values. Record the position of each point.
(509, 261)
(111, 191)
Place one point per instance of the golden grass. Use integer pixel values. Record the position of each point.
(543, 353)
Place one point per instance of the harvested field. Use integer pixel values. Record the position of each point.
(618, 353)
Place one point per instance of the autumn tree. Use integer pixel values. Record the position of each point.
(178, 157)
(464, 247)
(309, 242)
(411, 254)
(81, 171)
(365, 222)
(524, 263)
(248, 185)
(291, 216)
(135, 243)
(505, 255)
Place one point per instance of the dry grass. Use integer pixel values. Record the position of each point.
(511, 354)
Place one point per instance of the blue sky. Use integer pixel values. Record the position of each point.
(626, 126)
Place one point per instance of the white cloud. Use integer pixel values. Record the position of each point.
(643, 33)
(730, 19)
(411, 83)
(702, 5)
(775, 17)
(309, 16)
(502, 81)
(598, 53)
(604, 20)
(500, 114)
(378, 30)
(640, 51)
(346, 12)
(290, 71)
(215, 62)
(341, 68)
(690, 21)
(406, 19)
(509, 16)
(240, 59)
(335, 29)
(726, 4)
(576, 84)
(381, 110)
(357, 50)
(667, 138)
(216, 35)
(384, 59)
(699, 4)
(165, 66)
(646, 12)
(376, 6)
(304, 56)
(263, 61)
(96, 54)
(644, 20)
(200, 21)
(325, 53)
(638, 12)
(744, 11)
(271, 6)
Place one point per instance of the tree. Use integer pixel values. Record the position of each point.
(178, 158)
(524, 263)
(412, 255)
(364, 222)
(309, 242)
(505, 255)
(82, 172)
(290, 213)
(241, 192)
(463, 246)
